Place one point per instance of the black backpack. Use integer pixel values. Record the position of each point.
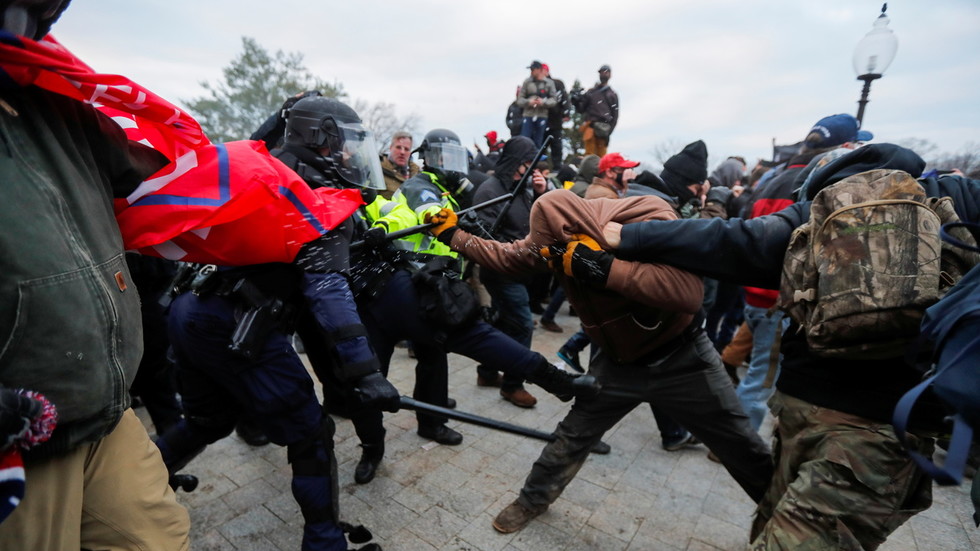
(444, 298)
(952, 327)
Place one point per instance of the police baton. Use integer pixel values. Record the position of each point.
(398, 234)
(410, 403)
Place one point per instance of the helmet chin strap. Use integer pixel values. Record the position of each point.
(368, 195)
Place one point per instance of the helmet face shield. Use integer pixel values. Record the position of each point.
(448, 157)
(357, 161)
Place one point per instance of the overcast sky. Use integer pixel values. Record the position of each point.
(736, 74)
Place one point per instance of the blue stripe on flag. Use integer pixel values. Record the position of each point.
(307, 215)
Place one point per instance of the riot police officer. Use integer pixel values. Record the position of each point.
(230, 334)
(392, 308)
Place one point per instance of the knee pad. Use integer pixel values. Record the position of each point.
(315, 475)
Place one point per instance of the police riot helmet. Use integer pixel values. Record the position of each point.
(334, 130)
(444, 155)
(442, 151)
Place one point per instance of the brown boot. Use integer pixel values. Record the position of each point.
(513, 518)
(519, 397)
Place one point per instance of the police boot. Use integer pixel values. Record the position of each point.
(249, 431)
(367, 467)
(563, 384)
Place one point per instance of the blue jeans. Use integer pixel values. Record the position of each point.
(670, 430)
(557, 299)
(577, 342)
(534, 128)
(751, 393)
(510, 298)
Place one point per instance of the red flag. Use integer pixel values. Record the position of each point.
(145, 116)
(229, 204)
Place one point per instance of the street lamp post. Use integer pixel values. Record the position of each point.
(872, 55)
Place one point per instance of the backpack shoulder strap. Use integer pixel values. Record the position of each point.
(951, 473)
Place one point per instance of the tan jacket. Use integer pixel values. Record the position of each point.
(599, 189)
(393, 178)
(642, 306)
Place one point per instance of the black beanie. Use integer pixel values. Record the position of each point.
(691, 164)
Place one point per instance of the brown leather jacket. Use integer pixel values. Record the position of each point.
(642, 306)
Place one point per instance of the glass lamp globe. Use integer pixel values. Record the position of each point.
(875, 52)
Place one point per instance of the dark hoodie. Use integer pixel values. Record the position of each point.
(750, 252)
(516, 222)
(727, 174)
(516, 151)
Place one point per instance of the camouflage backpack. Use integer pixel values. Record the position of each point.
(859, 275)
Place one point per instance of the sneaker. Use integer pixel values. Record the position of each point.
(570, 358)
(684, 441)
(563, 384)
(519, 397)
(550, 325)
(513, 518)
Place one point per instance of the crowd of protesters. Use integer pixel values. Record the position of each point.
(672, 273)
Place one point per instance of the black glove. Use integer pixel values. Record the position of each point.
(589, 265)
(291, 101)
(16, 413)
(581, 259)
(376, 238)
(373, 390)
(719, 194)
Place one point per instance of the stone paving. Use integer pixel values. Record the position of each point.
(429, 497)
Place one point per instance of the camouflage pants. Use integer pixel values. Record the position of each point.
(841, 482)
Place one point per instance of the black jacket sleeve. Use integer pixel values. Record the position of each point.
(965, 193)
(744, 252)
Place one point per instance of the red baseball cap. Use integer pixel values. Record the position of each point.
(545, 67)
(491, 136)
(615, 160)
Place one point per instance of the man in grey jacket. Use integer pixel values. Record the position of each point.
(537, 96)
